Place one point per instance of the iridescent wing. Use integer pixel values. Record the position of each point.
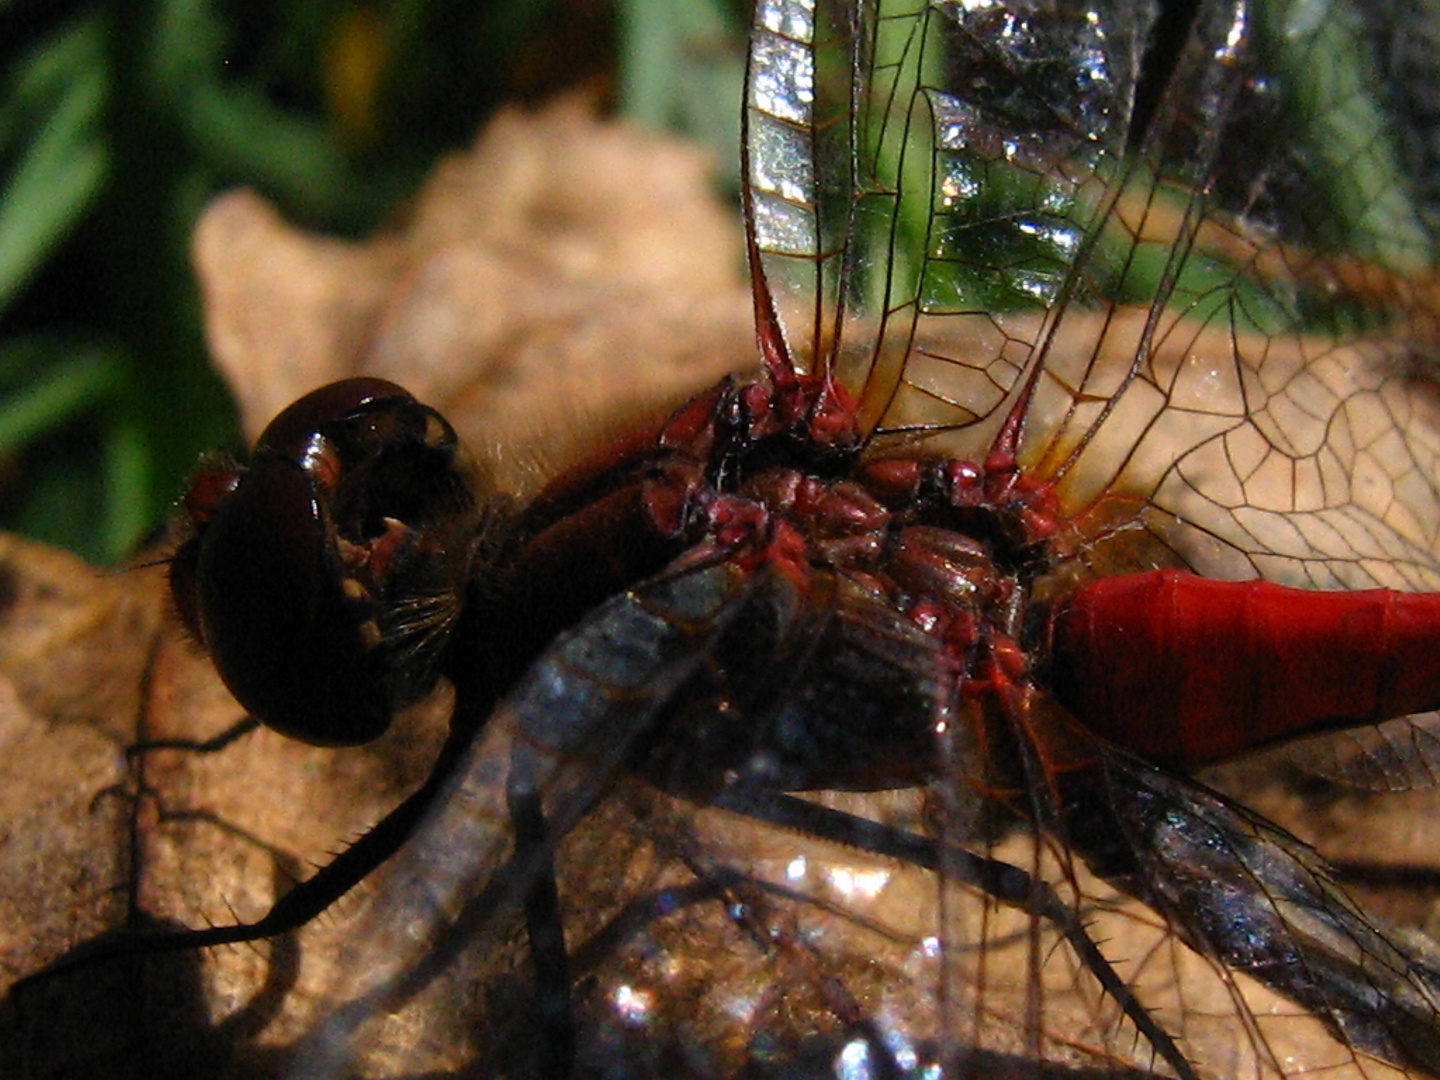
(840, 932)
(1215, 288)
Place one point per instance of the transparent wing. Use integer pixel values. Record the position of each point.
(917, 171)
(773, 935)
(1214, 283)
(562, 735)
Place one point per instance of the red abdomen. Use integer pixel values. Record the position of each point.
(1188, 672)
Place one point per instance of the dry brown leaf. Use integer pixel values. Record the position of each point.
(74, 652)
(550, 285)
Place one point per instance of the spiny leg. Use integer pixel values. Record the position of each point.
(544, 926)
(298, 906)
(1005, 883)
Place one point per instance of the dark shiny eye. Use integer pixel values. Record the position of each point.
(325, 578)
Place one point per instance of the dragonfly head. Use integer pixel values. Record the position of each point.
(325, 578)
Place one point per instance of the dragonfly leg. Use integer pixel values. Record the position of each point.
(293, 910)
(1006, 883)
(544, 926)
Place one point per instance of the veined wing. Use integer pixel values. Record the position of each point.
(846, 933)
(888, 177)
(562, 735)
(1215, 291)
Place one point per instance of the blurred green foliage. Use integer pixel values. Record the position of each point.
(120, 118)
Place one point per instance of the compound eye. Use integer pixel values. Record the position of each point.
(210, 488)
(326, 578)
(291, 431)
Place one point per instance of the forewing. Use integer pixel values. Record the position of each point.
(1244, 894)
(766, 934)
(686, 686)
(1217, 277)
(915, 171)
(564, 732)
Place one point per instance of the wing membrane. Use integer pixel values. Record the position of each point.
(1238, 410)
(1222, 301)
(563, 732)
(959, 158)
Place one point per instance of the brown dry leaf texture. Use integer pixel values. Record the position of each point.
(564, 276)
(555, 282)
(74, 650)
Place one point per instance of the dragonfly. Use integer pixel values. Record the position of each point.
(831, 741)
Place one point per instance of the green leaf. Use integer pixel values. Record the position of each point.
(45, 384)
(63, 167)
(682, 68)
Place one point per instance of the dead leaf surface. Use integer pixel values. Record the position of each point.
(549, 286)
